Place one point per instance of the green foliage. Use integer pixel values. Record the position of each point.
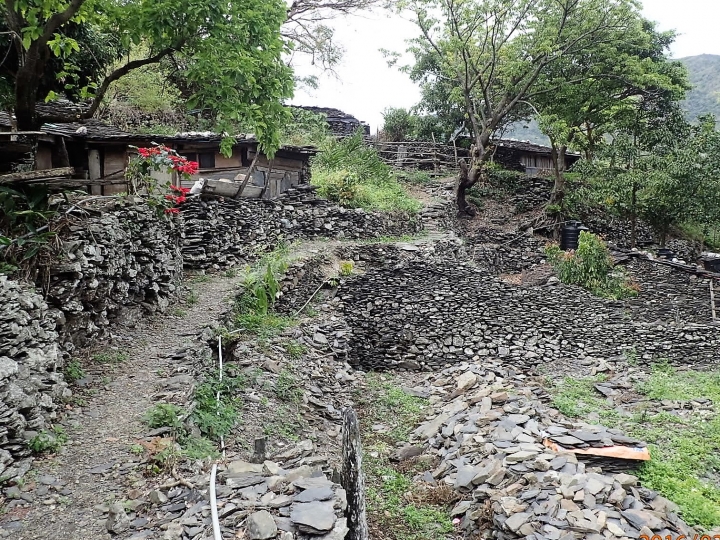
(73, 371)
(253, 308)
(215, 419)
(245, 88)
(145, 89)
(591, 267)
(398, 125)
(24, 211)
(305, 128)
(48, 441)
(287, 387)
(352, 174)
(110, 357)
(295, 350)
(684, 448)
(165, 415)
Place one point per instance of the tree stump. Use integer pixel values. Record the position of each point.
(351, 477)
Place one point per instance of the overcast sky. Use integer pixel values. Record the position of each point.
(366, 85)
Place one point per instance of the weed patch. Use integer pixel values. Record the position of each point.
(192, 297)
(353, 175)
(73, 371)
(685, 448)
(400, 508)
(295, 350)
(110, 357)
(48, 441)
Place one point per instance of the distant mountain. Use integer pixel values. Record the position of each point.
(704, 71)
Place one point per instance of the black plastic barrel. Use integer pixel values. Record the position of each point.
(712, 265)
(570, 235)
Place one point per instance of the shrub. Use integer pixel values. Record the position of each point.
(353, 175)
(591, 267)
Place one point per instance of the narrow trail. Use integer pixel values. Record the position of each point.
(96, 465)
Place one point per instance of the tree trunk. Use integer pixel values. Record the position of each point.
(467, 178)
(633, 216)
(27, 83)
(559, 164)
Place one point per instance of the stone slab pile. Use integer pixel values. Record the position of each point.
(425, 314)
(488, 425)
(31, 385)
(116, 265)
(222, 232)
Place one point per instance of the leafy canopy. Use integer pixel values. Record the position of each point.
(232, 53)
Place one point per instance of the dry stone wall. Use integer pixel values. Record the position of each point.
(426, 314)
(119, 263)
(31, 385)
(223, 232)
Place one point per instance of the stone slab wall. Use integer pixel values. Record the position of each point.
(223, 232)
(31, 385)
(426, 314)
(117, 264)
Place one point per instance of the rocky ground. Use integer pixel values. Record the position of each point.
(485, 446)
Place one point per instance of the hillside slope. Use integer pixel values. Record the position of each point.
(704, 71)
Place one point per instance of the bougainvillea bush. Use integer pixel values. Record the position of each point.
(160, 158)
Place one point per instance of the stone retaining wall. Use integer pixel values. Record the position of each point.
(31, 384)
(118, 264)
(426, 314)
(223, 232)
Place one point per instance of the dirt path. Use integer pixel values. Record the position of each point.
(96, 465)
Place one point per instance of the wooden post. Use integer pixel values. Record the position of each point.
(351, 477)
(248, 174)
(267, 181)
(712, 300)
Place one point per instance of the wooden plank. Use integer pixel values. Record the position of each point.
(351, 477)
(33, 175)
(94, 170)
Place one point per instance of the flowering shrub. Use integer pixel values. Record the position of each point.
(160, 158)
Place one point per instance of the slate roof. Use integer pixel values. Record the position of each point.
(98, 131)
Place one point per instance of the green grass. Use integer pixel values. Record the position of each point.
(192, 297)
(200, 278)
(284, 422)
(352, 174)
(393, 502)
(295, 350)
(110, 357)
(685, 450)
(287, 387)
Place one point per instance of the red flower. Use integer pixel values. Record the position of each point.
(172, 210)
(169, 197)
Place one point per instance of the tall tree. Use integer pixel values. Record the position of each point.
(627, 75)
(236, 47)
(493, 52)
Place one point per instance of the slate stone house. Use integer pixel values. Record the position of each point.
(532, 159)
(339, 123)
(99, 152)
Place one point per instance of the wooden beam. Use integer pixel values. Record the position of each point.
(36, 175)
(248, 174)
